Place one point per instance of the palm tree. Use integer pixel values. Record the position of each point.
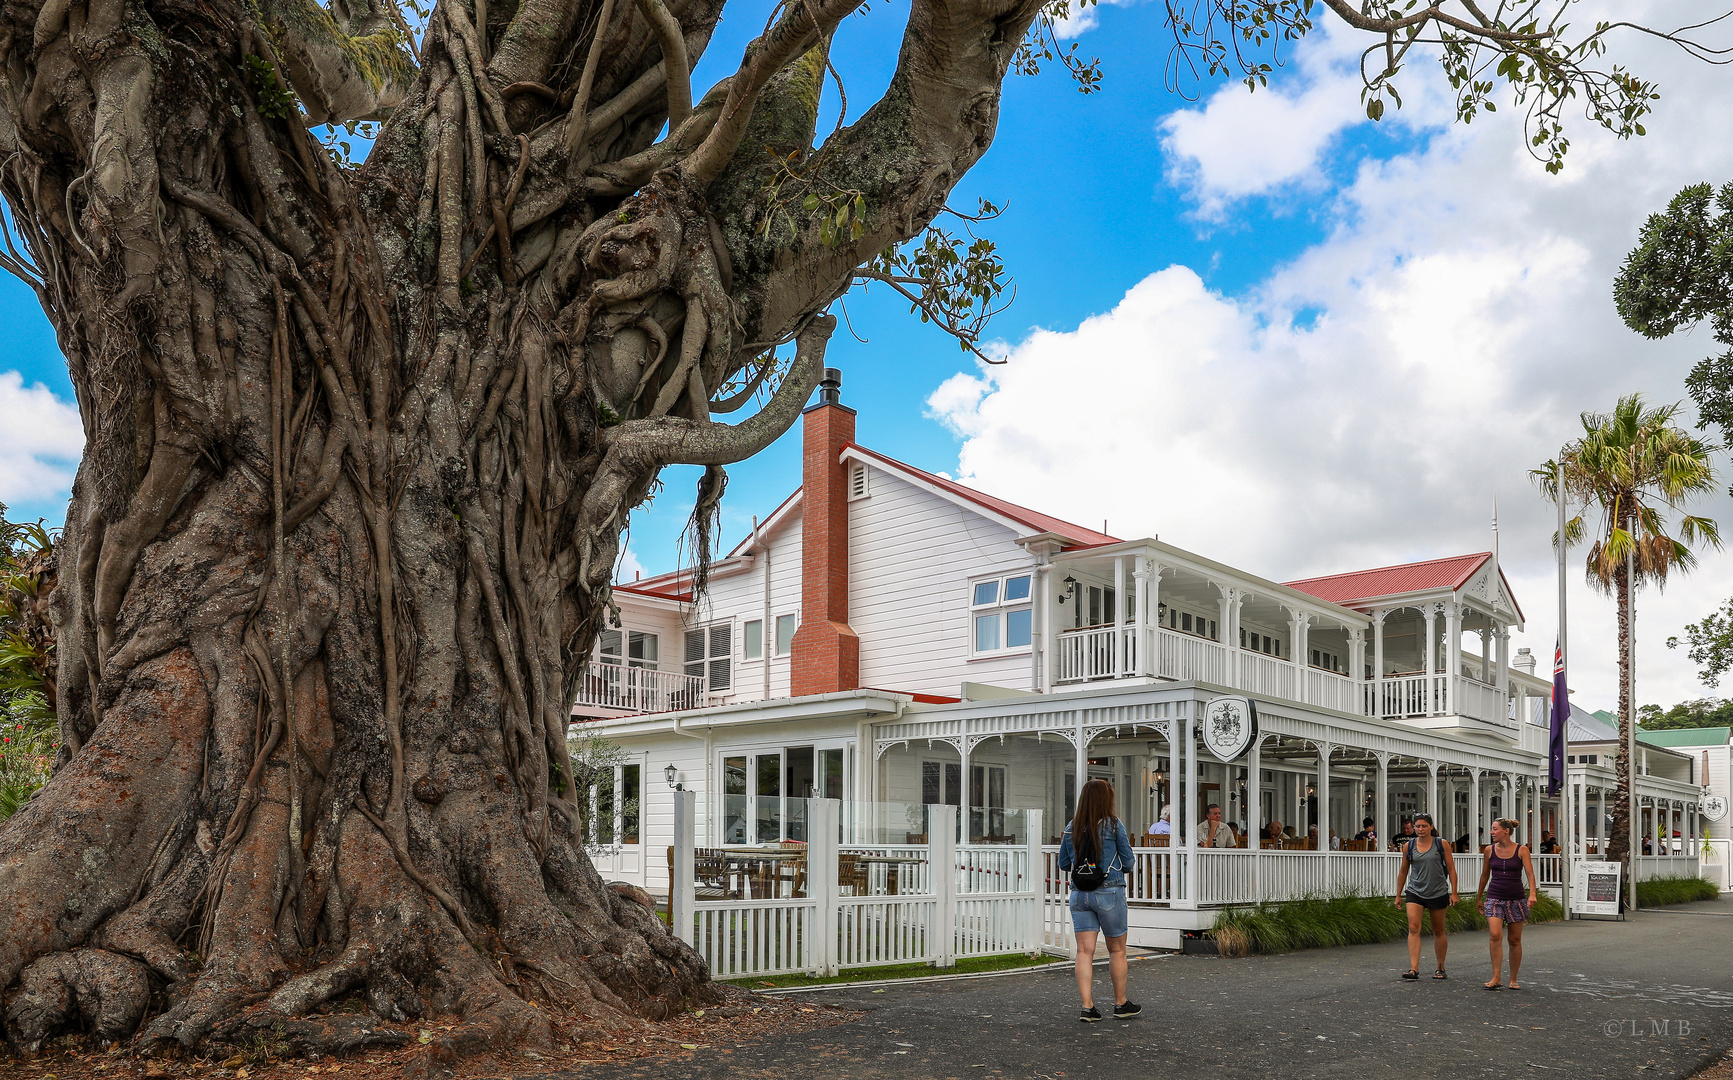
(1639, 469)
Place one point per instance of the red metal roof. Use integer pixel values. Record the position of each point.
(1036, 521)
(677, 587)
(1359, 585)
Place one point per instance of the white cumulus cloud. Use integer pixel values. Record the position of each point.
(1365, 403)
(41, 443)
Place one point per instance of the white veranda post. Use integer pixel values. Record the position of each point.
(1474, 817)
(1184, 816)
(1121, 662)
(1255, 812)
(1324, 804)
(1385, 833)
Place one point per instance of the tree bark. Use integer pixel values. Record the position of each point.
(1618, 812)
(361, 446)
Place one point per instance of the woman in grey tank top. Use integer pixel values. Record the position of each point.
(1426, 882)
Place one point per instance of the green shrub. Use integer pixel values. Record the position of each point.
(1658, 892)
(1345, 919)
(29, 739)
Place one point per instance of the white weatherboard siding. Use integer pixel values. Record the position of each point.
(738, 598)
(656, 806)
(912, 555)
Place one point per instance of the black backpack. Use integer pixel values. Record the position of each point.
(1087, 874)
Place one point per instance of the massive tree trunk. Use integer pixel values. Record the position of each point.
(361, 445)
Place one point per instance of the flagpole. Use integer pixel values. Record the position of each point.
(1631, 692)
(1568, 826)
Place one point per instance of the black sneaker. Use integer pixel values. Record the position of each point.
(1090, 1015)
(1129, 1009)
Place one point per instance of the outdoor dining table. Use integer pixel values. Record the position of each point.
(893, 866)
(755, 863)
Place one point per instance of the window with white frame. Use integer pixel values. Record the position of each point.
(785, 627)
(1255, 640)
(1329, 661)
(633, 648)
(710, 655)
(611, 805)
(1187, 622)
(1000, 616)
(752, 640)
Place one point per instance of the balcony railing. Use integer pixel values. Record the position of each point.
(1094, 653)
(1107, 652)
(639, 689)
(1438, 694)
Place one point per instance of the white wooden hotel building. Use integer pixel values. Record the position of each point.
(891, 636)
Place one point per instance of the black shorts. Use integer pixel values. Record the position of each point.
(1430, 903)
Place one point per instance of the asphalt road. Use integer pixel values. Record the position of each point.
(1651, 997)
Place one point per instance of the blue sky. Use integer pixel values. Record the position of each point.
(1259, 325)
(1090, 210)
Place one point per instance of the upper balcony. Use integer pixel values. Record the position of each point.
(1145, 610)
(615, 689)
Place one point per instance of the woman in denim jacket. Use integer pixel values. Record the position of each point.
(1102, 910)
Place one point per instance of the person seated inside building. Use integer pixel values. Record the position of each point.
(1367, 831)
(1273, 831)
(1164, 825)
(1548, 842)
(1212, 831)
(1405, 837)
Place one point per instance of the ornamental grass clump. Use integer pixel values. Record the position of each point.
(1341, 919)
(1659, 892)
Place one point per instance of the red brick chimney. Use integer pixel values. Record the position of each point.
(826, 652)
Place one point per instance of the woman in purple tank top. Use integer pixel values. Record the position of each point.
(1503, 865)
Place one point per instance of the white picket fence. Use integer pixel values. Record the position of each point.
(985, 901)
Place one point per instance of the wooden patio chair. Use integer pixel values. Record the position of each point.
(711, 876)
(706, 885)
(851, 873)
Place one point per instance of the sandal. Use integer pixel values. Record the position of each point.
(1411, 974)
(1493, 985)
(1439, 974)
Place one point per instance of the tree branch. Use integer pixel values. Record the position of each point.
(800, 29)
(676, 68)
(686, 442)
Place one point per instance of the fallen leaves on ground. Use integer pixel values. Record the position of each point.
(742, 1017)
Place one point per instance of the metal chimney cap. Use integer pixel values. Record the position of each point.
(830, 386)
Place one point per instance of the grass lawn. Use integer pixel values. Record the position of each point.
(973, 966)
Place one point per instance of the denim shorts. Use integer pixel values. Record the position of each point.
(1103, 910)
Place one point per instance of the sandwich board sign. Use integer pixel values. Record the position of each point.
(1595, 888)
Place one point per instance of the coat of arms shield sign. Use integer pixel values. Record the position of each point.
(1230, 724)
